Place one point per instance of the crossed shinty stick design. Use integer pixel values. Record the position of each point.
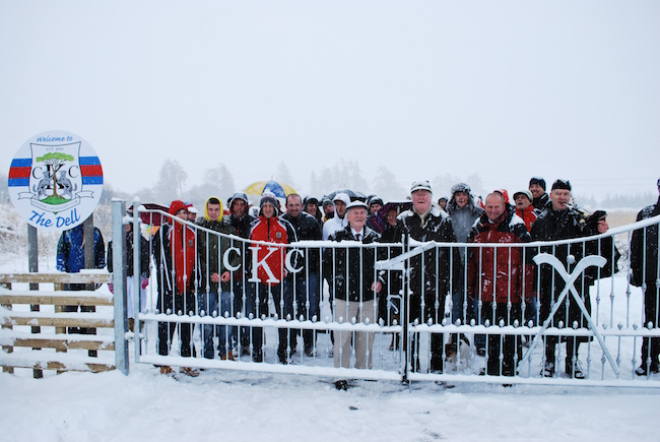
(593, 260)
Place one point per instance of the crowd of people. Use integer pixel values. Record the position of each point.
(231, 261)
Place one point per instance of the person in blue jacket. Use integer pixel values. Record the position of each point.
(71, 259)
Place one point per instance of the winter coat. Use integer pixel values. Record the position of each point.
(175, 252)
(211, 248)
(144, 256)
(71, 250)
(540, 203)
(333, 225)
(274, 230)
(505, 270)
(552, 225)
(435, 227)
(463, 219)
(528, 216)
(351, 270)
(307, 229)
(644, 249)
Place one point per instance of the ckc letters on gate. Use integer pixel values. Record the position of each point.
(256, 263)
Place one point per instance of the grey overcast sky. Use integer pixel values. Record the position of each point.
(507, 89)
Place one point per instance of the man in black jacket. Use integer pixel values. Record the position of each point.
(558, 221)
(540, 197)
(214, 278)
(306, 284)
(430, 271)
(644, 266)
(242, 221)
(351, 271)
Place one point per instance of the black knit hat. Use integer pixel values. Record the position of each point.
(539, 181)
(562, 184)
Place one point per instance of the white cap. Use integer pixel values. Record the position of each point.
(420, 185)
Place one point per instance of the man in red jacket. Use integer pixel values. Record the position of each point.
(175, 252)
(268, 274)
(499, 279)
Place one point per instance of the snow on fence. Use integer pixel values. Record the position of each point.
(38, 332)
(268, 317)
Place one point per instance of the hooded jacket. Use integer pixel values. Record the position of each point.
(175, 253)
(502, 273)
(212, 242)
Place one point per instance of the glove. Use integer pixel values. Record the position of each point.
(144, 282)
(111, 287)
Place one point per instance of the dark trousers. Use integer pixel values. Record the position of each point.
(81, 308)
(651, 346)
(436, 316)
(506, 347)
(257, 304)
(175, 304)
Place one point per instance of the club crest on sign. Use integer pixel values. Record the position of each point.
(55, 180)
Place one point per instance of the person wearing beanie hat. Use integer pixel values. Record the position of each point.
(268, 276)
(175, 252)
(524, 208)
(311, 206)
(644, 266)
(240, 218)
(558, 221)
(539, 196)
(328, 210)
(425, 222)
(352, 274)
(214, 286)
(338, 222)
(375, 203)
(442, 203)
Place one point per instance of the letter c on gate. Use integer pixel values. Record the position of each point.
(225, 259)
(289, 256)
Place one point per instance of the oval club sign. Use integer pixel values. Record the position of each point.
(55, 180)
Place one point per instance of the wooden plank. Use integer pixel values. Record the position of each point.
(56, 278)
(63, 344)
(54, 321)
(55, 298)
(60, 367)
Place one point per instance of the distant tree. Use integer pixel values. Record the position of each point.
(314, 186)
(386, 185)
(442, 184)
(4, 191)
(477, 185)
(171, 181)
(283, 175)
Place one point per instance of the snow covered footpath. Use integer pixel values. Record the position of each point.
(234, 406)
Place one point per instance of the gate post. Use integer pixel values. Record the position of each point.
(119, 282)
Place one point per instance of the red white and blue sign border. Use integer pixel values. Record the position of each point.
(55, 180)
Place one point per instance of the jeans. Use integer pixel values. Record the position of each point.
(307, 300)
(227, 335)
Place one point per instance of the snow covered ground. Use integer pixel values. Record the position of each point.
(221, 405)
